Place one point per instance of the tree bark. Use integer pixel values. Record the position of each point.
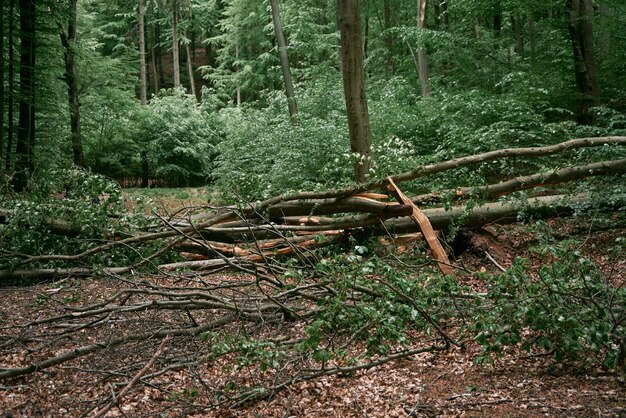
(422, 57)
(8, 162)
(532, 40)
(26, 129)
(1, 83)
(497, 19)
(284, 59)
(605, 12)
(192, 79)
(387, 38)
(354, 87)
(175, 45)
(68, 40)
(517, 33)
(580, 25)
(442, 16)
(143, 82)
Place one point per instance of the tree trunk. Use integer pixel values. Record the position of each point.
(497, 19)
(338, 23)
(354, 87)
(517, 32)
(11, 133)
(25, 135)
(192, 79)
(387, 38)
(143, 87)
(532, 40)
(442, 17)
(284, 59)
(1, 82)
(68, 40)
(581, 34)
(175, 51)
(422, 58)
(143, 82)
(158, 63)
(605, 12)
(238, 93)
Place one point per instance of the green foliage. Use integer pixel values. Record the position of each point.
(570, 309)
(264, 153)
(179, 137)
(81, 200)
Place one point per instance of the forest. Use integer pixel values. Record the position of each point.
(334, 208)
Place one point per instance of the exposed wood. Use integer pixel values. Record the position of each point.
(425, 228)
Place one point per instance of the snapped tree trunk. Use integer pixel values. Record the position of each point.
(580, 25)
(143, 82)
(354, 87)
(26, 129)
(284, 59)
(68, 40)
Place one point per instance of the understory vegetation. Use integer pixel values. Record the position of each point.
(207, 232)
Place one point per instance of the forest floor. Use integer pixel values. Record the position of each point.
(448, 383)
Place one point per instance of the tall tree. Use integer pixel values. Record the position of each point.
(68, 40)
(284, 59)
(422, 58)
(143, 82)
(580, 25)
(175, 44)
(1, 80)
(143, 87)
(25, 145)
(387, 37)
(10, 121)
(354, 87)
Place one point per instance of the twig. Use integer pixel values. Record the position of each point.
(162, 349)
(495, 263)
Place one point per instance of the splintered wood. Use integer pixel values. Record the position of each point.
(427, 229)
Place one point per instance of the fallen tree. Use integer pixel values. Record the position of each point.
(282, 225)
(287, 311)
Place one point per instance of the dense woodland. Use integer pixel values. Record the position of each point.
(172, 92)
(303, 126)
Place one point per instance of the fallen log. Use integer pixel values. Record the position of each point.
(440, 218)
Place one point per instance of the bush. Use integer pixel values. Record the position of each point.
(570, 310)
(179, 138)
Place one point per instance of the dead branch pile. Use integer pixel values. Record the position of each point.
(184, 316)
(287, 224)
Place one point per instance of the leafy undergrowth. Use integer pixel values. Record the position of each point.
(535, 369)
